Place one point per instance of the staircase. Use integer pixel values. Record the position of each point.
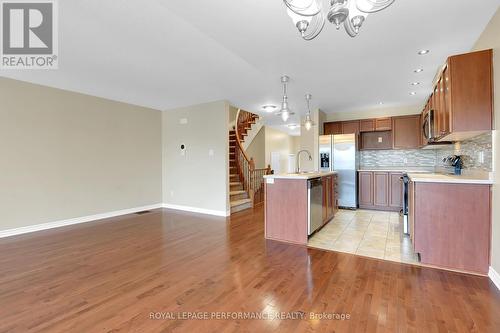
(246, 183)
(239, 198)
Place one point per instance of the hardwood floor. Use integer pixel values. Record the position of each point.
(112, 275)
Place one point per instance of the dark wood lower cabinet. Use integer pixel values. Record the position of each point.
(365, 192)
(380, 190)
(329, 197)
(450, 225)
(396, 190)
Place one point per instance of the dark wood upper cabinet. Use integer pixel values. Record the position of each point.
(406, 132)
(367, 125)
(376, 140)
(350, 127)
(383, 124)
(332, 128)
(462, 98)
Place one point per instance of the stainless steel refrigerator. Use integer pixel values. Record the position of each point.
(339, 153)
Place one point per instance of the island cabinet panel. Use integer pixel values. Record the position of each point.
(325, 183)
(365, 189)
(452, 225)
(406, 132)
(334, 197)
(286, 210)
(396, 190)
(381, 189)
(329, 201)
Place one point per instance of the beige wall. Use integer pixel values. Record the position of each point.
(67, 155)
(278, 141)
(196, 179)
(490, 39)
(257, 149)
(374, 113)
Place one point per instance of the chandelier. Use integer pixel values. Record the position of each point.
(309, 16)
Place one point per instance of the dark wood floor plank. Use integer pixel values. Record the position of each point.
(109, 275)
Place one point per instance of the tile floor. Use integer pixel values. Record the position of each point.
(368, 233)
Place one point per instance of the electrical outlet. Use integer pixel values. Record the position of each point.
(379, 139)
(405, 160)
(480, 157)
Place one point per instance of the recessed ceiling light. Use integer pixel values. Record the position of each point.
(413, 93)
(418, 70)
(415, 83)
(422, 52)
(269, 108)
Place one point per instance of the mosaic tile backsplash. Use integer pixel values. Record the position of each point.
(477, 154)
(395, 158)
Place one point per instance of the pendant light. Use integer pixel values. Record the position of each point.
(285, 111)
(308, 122)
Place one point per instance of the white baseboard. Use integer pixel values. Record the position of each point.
(197, 210)
(84, 219)
(495, 277)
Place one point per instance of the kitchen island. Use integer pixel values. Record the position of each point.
(287, 212)
(450, 221)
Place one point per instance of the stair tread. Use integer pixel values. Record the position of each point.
(234, 183)
(237, 192)
(240, 202)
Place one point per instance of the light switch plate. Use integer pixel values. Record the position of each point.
(183, 121)
(269, 180)
(211, 152)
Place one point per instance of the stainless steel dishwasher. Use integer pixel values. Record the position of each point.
(314, 205)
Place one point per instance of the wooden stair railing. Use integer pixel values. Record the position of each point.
(251, 178)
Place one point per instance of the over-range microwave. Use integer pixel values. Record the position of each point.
(428, 126)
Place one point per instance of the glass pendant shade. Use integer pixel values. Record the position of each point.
(285, 111)
(308, 122)
(285, 115)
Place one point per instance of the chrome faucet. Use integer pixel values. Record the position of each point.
(298, 159)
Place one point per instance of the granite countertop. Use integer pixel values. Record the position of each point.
(305, 175)
(444, 178)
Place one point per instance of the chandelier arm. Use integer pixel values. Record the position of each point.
(318, 30)
(378, 5)
(303, 11)
(349, 28)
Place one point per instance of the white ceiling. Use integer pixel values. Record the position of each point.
(170, 53)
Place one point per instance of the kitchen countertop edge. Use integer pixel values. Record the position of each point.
(300, 176)
(450, 179)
